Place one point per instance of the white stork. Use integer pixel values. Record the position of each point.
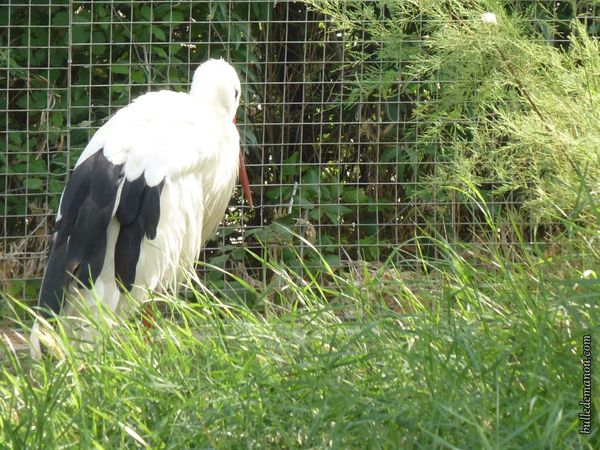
(148, 190)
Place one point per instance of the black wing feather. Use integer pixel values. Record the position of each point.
(138, 213)
(131, 200)
(78, 246)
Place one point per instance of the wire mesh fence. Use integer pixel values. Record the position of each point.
(346, 167)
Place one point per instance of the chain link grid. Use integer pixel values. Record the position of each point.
(343, 178)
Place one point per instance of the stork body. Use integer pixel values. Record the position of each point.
(148, 190)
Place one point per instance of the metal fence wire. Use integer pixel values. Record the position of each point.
(345, 168)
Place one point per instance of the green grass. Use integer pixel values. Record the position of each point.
(474, 351)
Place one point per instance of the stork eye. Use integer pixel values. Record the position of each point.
(237, 93)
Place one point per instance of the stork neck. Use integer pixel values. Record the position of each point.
(219, 107)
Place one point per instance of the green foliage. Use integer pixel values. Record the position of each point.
(473, 350)
(510, 107)
(69, 66)
(365, 119)
(451, 121)
(67, 79)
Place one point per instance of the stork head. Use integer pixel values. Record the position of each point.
(216, 82)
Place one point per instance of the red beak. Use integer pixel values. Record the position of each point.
(244, 181)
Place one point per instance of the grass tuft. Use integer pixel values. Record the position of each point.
(474, 350)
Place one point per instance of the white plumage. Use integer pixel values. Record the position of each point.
(154, 180)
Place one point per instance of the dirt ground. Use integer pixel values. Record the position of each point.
(13, 339)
